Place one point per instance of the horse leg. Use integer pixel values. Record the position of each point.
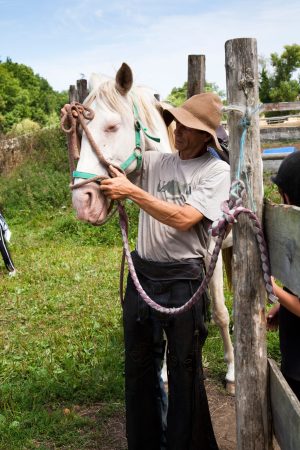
(220, 316)
(164, 370)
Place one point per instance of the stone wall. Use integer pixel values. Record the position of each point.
(13, 152)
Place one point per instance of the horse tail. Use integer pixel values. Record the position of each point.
(227, 260)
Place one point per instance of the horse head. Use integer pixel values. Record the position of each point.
(127, 121)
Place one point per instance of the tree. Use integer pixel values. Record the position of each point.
(278, 84)
(179, 94)
(26, 95)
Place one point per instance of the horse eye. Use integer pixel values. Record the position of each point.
(112, 128)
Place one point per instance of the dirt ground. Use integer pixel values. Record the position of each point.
(222, 410)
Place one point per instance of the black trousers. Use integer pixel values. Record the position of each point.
(189, 424)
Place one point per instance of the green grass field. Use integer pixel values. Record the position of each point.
(61, 343)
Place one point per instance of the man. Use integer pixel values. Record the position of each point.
(179, 197)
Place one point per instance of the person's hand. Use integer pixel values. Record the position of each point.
(118, 187)
(273, 317)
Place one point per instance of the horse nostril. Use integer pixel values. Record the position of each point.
(89, 198)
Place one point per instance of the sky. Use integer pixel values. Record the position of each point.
(65, 40)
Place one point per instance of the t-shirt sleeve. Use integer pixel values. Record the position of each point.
(149, 164)
(211, 191)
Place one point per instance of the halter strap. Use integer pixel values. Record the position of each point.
(139, 126)
(137, 152)
(84, 175)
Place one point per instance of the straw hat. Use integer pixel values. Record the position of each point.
(200, 112)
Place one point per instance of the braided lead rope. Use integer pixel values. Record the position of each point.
(231, 210)
(140, 290)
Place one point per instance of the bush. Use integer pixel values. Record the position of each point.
(41, 182)
(26, 126)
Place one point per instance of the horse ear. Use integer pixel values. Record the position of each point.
(94, 81)
(124, 79)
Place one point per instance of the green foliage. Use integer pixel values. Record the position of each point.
(213, 87)
(24, 94)
(278, 84)
(26, 126)
(179, 94)
(270, 189)
(41, 182)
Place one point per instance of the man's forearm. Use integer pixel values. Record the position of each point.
(176, 216)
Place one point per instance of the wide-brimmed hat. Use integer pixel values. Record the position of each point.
(200, 112)
(288, 177)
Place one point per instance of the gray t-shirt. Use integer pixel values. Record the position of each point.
(201, 182)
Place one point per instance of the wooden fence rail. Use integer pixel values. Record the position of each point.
(282, 232)
(281, 106)
(285, 409)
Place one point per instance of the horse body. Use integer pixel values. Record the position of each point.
(115, 104)
(220, 313)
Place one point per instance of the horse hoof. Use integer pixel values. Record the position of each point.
(230, 388)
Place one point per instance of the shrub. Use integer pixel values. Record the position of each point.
(26, 126)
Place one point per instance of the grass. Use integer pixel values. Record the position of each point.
(61, 343)
(61, 338)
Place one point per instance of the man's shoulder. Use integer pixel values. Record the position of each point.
(213, 163)
(154, 157)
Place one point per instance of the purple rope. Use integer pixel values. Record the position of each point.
(231, 211)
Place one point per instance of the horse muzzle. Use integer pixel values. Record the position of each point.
(90, 204)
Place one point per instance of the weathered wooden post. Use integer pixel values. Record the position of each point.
(79, 92)
(196, 75)
(82, 89)
(252, 404)
(73, 94)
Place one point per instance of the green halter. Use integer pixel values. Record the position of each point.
(137, 152)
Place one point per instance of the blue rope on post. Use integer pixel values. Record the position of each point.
(245, 122)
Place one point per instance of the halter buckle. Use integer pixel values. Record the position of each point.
(137, 152)
(137, 125)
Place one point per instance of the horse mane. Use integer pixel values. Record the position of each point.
(150, 110)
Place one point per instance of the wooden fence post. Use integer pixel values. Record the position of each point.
(73, 95)
(252, 403)
(82, 90)
(79, 92)
(196, 75)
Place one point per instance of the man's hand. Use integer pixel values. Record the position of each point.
(116, 188)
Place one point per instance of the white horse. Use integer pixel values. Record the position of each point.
(118, 106)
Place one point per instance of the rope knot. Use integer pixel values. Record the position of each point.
(245, 122)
